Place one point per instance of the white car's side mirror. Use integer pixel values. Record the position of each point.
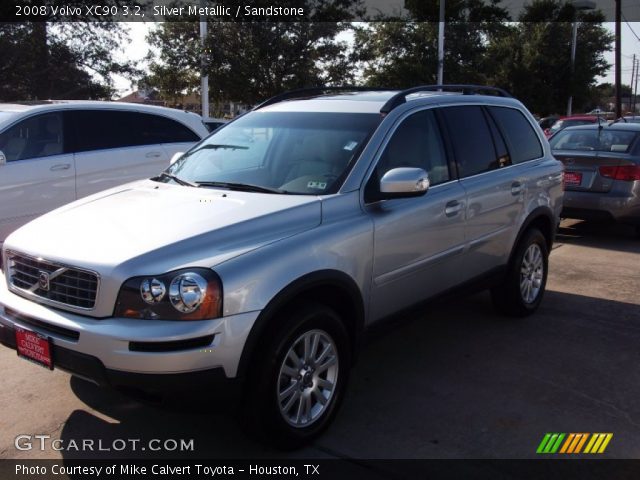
(175, 157)
(3, 158)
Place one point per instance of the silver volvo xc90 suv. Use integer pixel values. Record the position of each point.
(257, 259)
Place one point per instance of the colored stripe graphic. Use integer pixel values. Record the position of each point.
(598, 443)
(552, 442)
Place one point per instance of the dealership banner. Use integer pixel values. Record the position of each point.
(330, 469)
(281, 10)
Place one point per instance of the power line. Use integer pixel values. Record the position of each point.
(634, 33)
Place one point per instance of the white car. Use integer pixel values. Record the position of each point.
(57, 152)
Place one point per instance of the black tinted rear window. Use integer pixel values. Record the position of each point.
(472, 140)
(522, 141)
(103, 129)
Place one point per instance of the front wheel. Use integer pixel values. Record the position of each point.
(299, 377)
(521, 292)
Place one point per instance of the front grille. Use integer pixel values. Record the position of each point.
(52, 282)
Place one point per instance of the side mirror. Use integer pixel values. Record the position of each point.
(404, 182)
(3, 158)
(175, 157)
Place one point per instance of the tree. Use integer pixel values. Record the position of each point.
(397, 54)
(251, 61)
(538, 49)
(52, 59)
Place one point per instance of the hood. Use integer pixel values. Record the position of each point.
(154, 226)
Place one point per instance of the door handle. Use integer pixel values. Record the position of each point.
(153, 155)
(516, 188)
(60, 166)
(452, 208)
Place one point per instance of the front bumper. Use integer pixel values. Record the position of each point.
(122, 351)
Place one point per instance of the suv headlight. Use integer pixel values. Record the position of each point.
(187, 294)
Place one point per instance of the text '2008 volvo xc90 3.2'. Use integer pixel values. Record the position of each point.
(261, 254)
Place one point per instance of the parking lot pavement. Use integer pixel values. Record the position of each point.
(452, 380)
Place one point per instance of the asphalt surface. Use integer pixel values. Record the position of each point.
(452, 380)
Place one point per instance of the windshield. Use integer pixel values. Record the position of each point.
(278, 152)
(593, 139)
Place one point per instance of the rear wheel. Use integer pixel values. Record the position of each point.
(298, 378)
(521, 292)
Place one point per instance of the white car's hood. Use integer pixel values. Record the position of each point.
(150, 227)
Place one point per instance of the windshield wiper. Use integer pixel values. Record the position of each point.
(241, 186)
(218, 145)
(177, 179)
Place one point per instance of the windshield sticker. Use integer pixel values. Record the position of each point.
(350, 145)
(317, 185)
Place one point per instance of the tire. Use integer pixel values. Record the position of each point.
(283, 402)
(522, 290)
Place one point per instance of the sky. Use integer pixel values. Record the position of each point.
(138, 48)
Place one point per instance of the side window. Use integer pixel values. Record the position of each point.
(498, 141)
(521, 139)
(38, 136)
(101, 129)
(471, 138)
(416, 143)
(149, 129)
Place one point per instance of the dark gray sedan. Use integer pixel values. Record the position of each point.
(602, 171)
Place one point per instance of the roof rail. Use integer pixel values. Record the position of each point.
(312, 91)
(401, 97)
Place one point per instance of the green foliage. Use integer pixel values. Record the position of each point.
(530, 58)
(539, 53)
(59, 60)
(250, 61)
(406, 53)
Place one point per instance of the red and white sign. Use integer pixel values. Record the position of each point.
(572, 179)
(34, 347)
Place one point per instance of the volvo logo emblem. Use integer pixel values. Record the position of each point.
(43, 280)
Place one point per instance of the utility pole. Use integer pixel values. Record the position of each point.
(633, 74)
(635, 89)
(618, 61)
(574, 39)
(204, 77)
(441, 45)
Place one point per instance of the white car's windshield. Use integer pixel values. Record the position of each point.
(278, 152)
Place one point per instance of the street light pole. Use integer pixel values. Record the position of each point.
(618, 62)
(574, 39)
(204, 78)
(441, 44)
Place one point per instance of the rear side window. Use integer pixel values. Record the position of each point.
(472, 142)
(36, 137)
(522, 141)
(152, 129)
(104, 129)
